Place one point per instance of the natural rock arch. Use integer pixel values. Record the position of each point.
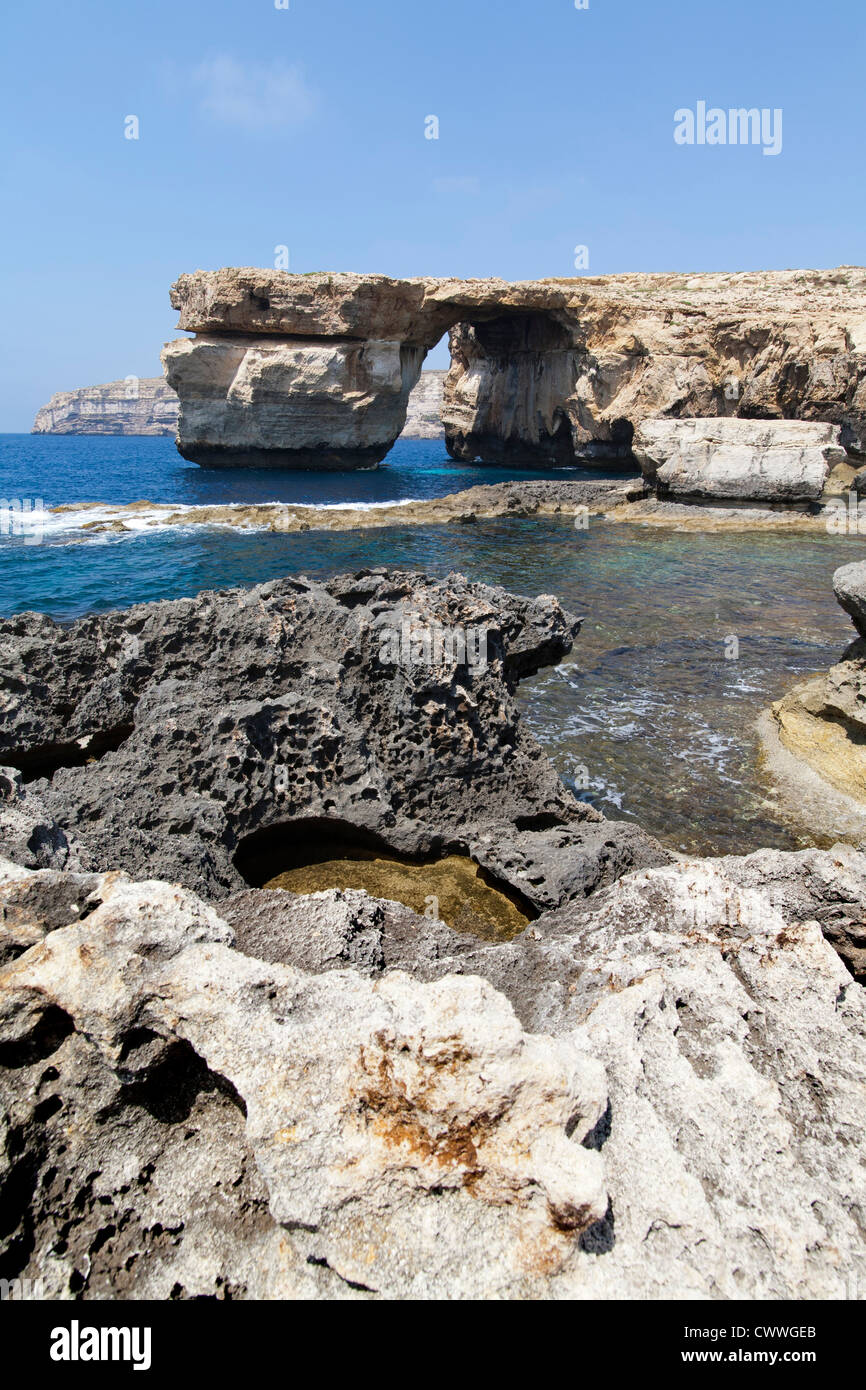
(315, 371)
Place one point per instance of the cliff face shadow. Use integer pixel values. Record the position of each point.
(530, 362)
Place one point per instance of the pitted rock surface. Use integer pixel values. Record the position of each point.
(158, 739)
(660, 1093)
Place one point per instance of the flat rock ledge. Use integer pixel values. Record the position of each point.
(656, 1093)
(578, 498)
(628, 500)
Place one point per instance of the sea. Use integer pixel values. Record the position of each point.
(651, 718)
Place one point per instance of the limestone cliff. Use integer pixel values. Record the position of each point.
(316, 370)
(573, 382)
(424, 413)
(138, 405)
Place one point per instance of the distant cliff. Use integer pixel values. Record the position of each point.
(147, 405)
(424, 412)
(138, 405)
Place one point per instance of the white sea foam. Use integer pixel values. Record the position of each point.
(158, 516)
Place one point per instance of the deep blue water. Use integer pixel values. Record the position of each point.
(64, 469)
(646, 718)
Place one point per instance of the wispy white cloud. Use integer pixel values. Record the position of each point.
(457, 184)
(253, 96)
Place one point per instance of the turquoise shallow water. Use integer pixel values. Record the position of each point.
(647, 718)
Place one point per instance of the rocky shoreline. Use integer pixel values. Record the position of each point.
(213, 1088)
(485, 501)
(621, 500)
(316, 981)
(175, 738)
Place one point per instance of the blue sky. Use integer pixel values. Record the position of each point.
(305, 127)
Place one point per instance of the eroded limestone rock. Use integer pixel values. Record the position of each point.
(148, 405)
(317, 368)
(189, 738)
(849, 586)
(822, 720)
(750, 460)
(813, 885)
(274, 303)
(272, 403)
(624, 349)
(672, 1104)
(386, 1122)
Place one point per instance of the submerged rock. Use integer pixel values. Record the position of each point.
(454, 885)
(751, 460)
(577, 497)
(660, 1093)
(219, 740)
